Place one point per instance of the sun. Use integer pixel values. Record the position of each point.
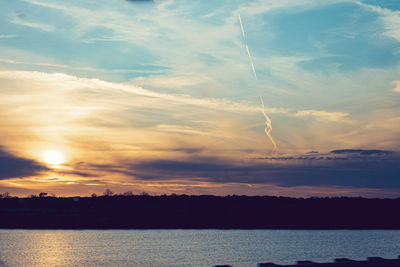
(53, 157)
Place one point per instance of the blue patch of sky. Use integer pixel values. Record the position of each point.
(389, 4)
(61, 45)
(341, 36)
(99, 54)
(214, 13)
(211, 14)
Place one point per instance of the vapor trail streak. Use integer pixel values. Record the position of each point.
(247, 47)
(241, 26)
(268, 127)
(251, 62)
(268, 122)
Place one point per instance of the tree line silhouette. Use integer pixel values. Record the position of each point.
(143, 211)
(107, 193)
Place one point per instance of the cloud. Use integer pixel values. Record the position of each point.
(140, 1)
(12, 166)
(133, 120)
(323, 115)
(260, 6)
(32, 24)
(337, 155)
(175, 82)
(76, 82)
(183, 130)
(7, 36)
(214, 103)
(362, 152)
(353, 168)
(390, 19)
(396, 86)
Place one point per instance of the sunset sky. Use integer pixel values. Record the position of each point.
(165, 97)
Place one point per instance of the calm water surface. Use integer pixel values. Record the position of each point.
(189, 247)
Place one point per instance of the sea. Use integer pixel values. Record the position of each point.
(191, 247)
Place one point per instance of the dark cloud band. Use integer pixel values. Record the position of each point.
(12, 166)
(352, 168)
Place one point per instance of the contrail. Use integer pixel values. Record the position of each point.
(268, 122)
(247, 47)
(241, 26)
(268, 127)
(251, 62)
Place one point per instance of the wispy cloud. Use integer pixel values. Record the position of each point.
(32, 24)
(64, 67)
(323, 115)
(396, 86)
(218, 104)
(390, 19)
(173, 81)
(7, 36)
(214, 103)
(260, 6)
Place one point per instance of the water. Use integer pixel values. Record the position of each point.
(189, 247)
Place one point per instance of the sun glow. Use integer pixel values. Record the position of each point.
(53, 157)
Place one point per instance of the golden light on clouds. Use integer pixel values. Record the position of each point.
(91, 134)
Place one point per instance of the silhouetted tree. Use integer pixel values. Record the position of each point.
(42, 194)
(108, 193)
(145, 194)
(128, 194)
(5, 195)
(94, 195)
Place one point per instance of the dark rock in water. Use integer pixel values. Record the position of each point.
(343, 262)
(374, 258)
(305, 262)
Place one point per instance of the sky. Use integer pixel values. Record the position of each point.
(260, 97)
